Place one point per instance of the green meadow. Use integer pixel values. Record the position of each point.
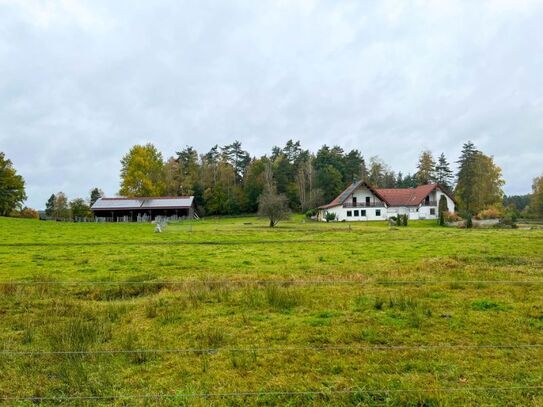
(231, 312)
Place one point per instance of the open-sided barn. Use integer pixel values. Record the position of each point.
(143, 208)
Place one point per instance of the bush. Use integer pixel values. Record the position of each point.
(310, 213)
(491, 212)
(330, 216)
(405, 219)
(451, 217)
(469, 222)
(26, 212)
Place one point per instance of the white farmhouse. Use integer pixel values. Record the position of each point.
(360, 201)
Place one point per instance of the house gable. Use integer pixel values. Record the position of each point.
(359, 189)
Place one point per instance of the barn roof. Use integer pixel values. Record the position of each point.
(162, 202)
(410, 196)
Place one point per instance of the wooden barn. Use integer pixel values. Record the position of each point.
(143, 208)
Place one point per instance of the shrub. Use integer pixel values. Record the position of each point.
(29, 213)
(469, 222)
(451, 217)
(330, 216)
(310, 213)
(405, 219)
(491, 212)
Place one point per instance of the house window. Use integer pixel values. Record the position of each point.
(354, 201)
(378, 212)
(368, 200)
(349, 213)
(355, 213)
(432, 211)
(363, 212)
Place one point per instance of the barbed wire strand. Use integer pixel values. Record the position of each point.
(271, 393)
(267, 282)
(270, 349)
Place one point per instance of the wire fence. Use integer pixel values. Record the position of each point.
(321, 393)
(268, 282)
(269, 349)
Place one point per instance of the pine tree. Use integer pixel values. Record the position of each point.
(442, 208)
(443, 172)
(50, 205)
(426, 168)
(95, 194)
(479, 180)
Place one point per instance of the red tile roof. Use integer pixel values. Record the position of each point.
(409, 196)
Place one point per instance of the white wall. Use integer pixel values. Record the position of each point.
(341, 213)
(414, 213)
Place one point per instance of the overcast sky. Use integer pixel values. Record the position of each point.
(81, 82)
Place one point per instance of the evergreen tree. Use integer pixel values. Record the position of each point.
(479, 181)
(330, 182)
(443, 172)
(50, 206)
(253, 184)
(466, 176)
(442, 208)
(426, 168)
(95, 194)
(238, 158)
(354, 166)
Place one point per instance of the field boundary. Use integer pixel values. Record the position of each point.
(273, 349)
(322, 393)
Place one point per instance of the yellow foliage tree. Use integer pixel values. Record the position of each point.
(142, 172)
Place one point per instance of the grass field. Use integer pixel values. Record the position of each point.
(303, 314)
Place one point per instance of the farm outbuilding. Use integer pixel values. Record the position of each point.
(143, 208)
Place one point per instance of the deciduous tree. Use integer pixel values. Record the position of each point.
(12, 187)
(272, 205)
(142, 172)
(61, 209)
(80, 209)
(536, 201)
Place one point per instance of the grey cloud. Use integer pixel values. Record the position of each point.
(80, 82)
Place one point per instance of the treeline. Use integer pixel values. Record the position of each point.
(227, 180)
(59, 207)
